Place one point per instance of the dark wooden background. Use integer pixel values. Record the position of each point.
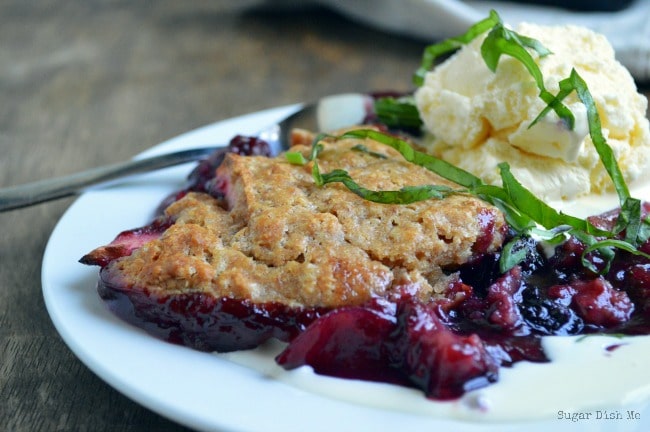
(86, 83)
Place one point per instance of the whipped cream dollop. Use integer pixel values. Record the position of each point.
(476, 118)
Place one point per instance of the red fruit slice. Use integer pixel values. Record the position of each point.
(125, 243)
(412, 348)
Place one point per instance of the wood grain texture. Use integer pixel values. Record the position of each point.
(86, 83)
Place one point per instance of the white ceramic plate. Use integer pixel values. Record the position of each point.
(197, 389)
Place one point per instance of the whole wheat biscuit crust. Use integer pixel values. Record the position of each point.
(275, 236)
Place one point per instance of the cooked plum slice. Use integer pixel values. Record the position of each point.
(404, 343)
(595, 301)
(125, 243)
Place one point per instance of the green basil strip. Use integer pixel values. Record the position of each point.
(644, 231)
(433, 52)
(499, 41)
(363, 149)
(537, 209)
(503, 41)
(510, 256)
(438, 166)
(317, 147)
(607, 253)
(551, 102)
(606, 247)
(533, 44)
(295, 158)
(630, 215)
(605, 152)
(315, 173)
(397, 113)
(629, 219)
(498, 197)
(406, 195)
(575, 83)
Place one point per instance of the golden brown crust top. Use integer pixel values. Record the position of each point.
(284, 239)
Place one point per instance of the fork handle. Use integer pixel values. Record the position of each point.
(25, 195)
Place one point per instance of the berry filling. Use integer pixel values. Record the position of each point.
(444, 347)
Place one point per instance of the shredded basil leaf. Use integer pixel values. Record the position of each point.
(606, 248)
(630, 215)
(363, 149)
(511, 255)
(405, 195)
(295, 158)
(398, 113)
(643, 234)
(433, 52)
(575, 83)
(499, 41)
(440, 167)
(629, 220)
(537, 209)
(317, 146)
(618, 244)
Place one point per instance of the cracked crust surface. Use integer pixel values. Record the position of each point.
(278, 237)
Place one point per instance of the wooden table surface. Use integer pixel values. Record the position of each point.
(87, 83)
